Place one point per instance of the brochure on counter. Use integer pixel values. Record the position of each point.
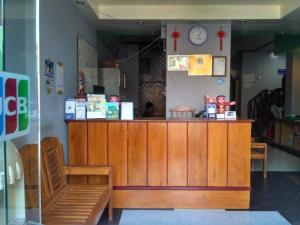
(96, 107)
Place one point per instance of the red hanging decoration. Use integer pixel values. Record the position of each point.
(221, 35)
(175, 36)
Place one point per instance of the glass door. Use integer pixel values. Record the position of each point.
(19, 113)
(2, 155)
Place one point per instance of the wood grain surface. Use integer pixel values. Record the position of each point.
(239, 136)
(97, 149)
(157, 154)
(117, 151)
(77, 139)
(137, 154)
(217, 154)
(197, 154)
(177, 154)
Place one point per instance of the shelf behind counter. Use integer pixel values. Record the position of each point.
(287, 136)
(167, 163)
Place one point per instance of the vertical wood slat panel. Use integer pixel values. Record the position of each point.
(157, 153)
(177, 154)
(137, 153)
(217, 154)
(197, 154)
(77, 135)
(239, 144)
(97, 149)
(117, 151)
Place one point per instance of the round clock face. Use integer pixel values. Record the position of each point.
(198, 35)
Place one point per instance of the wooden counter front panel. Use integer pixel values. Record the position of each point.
(177, 154)
(97, 149)
(77, 136)
(197, 154)
(157, 154)
(164, 153)
(181, 199)
(239, 136)
(217, 154)
(137, 154)
(117, 152)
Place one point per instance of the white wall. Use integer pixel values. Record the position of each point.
(60, 23)
(265, 66)
(184, 90)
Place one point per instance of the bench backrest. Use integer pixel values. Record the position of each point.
(53, 177)
(52, 171)
(29, 155)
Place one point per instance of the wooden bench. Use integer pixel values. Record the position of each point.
(63, 203)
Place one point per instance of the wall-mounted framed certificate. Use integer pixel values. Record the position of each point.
(219, 66)
(200, 65)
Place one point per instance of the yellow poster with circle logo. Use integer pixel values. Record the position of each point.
(200, 65)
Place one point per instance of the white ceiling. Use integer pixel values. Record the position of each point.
(188, 9)
(247, 34)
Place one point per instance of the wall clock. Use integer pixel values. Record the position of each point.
(198, 35)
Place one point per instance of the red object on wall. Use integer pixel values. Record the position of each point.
(221, 35)
(175, 36)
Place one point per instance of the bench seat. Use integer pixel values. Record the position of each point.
(76, 204)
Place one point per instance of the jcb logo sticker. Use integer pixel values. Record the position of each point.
(14, 105)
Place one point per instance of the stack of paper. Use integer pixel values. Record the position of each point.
(96, 106)
(112, 110)
(70, 109)
(80, 109)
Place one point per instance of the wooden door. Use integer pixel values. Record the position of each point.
(137, 153)
(217, 154)
(197, 154)
(117, 151)
(239, 143)
(97, 149)
(177, 154)
(157, 153)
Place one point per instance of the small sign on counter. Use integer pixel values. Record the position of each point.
(127, 111)
(230, 115)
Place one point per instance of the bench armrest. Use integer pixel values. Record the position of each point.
(89, 171)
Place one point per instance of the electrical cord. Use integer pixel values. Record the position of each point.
(178, 90)
(136, 54)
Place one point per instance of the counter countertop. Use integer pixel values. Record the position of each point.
(291, 122)
(161, 119)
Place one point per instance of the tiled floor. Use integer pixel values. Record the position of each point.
(277, 193)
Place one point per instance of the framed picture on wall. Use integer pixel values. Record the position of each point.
(219, 66)
(177, 62)
(200, 65)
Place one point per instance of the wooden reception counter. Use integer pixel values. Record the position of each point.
(167, 163)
